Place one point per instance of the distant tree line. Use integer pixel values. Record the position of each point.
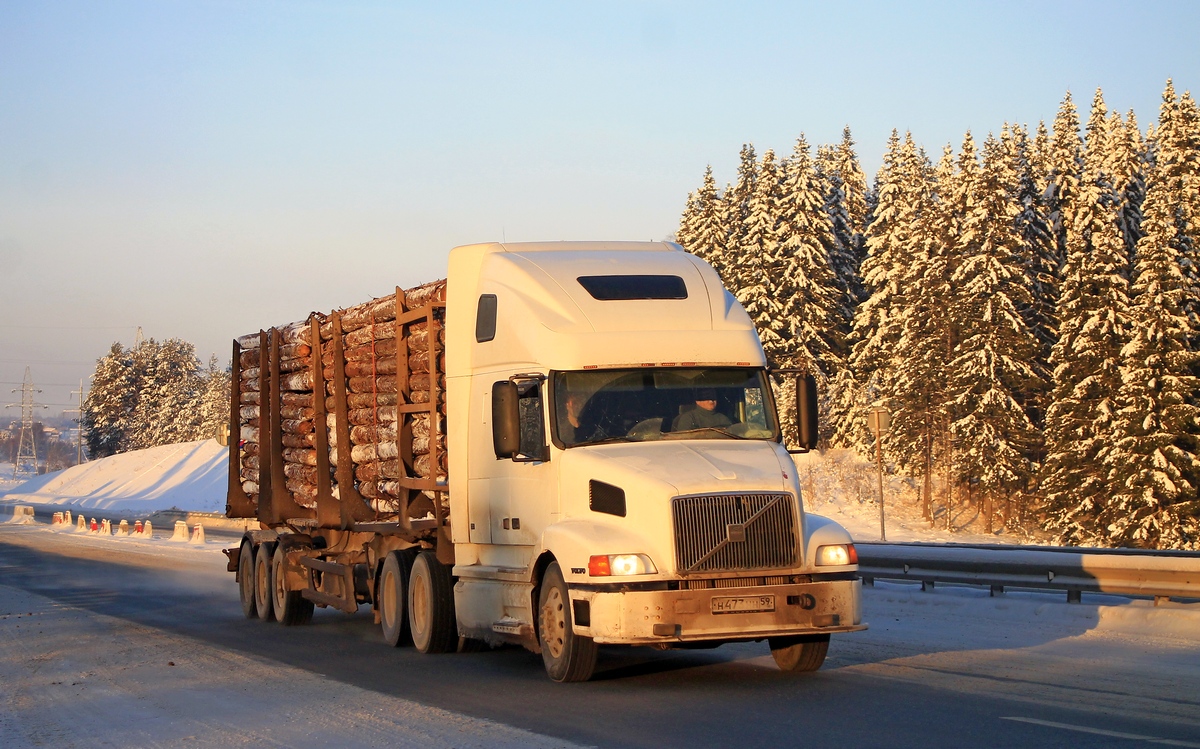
(153, 394)
(1028, 310)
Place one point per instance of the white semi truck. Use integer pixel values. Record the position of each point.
(615, 472)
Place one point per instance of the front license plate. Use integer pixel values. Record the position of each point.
(742, 604)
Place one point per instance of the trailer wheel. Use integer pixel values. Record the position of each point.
(246, 580)
(262, 582)
(567, 656)
(393, 595)
(801, 653)
(291, 607)
(431, 605)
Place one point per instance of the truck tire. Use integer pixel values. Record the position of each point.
(431, 605)
(800, 653)
(262, 582)
(246, 580)
(291, 607)
(567, 656)
(393, 598)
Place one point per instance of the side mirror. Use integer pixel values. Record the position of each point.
(806, 411)
(506, 419)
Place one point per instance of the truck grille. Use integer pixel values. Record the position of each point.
(734, 532)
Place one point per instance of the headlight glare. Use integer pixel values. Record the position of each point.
(836, 555)
(605, 565)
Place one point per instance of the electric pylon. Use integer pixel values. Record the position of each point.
(26, 460)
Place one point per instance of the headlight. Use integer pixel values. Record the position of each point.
(838, 555)
(620, 564)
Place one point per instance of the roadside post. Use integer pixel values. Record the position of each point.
(880, 420)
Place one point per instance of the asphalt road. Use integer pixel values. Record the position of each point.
(934, 670)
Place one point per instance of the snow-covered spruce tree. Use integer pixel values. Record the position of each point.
(1064, 166)
(816, 311)
(1086, 361)
(168, 406)
(845, 256)
(735, 218)
(109, 404)
(758, 266)
(1039, 256)
(994, 367)
(1127, 165)
(1189, 157)
(858, 385)
(920, 415)
(902, 183)
(701, 231)
(856, 197)
(1039, 158)
(214, 400)
(683, 235)
(1176, 156)
(1152, 462)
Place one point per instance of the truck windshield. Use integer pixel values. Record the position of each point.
(633, 405)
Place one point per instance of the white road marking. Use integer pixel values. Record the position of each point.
(1103, 732)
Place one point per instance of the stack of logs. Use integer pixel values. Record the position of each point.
(387, 444)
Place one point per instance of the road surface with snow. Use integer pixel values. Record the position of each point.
(123, 642)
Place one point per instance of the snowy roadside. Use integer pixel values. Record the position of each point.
(190, 476)
(842, 486)
(1129, 657)
(70, 677)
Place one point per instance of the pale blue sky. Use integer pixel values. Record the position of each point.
(196, 168)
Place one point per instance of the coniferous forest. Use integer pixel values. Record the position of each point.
(1027, 308)
(153, 394)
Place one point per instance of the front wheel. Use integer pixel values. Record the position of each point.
(566, 655)
(800, 653)
(291, 607)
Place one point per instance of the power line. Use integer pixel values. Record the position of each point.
(43, 361)
(72, 327)
(47, 384)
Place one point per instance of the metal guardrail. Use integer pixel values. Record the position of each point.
(1161, 574)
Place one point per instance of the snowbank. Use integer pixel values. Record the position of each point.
(191, 476)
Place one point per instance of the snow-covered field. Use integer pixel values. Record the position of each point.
(189, 476)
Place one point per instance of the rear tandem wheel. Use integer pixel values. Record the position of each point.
(246, 580)
(392, 595)
(262, 581)
(291, 607)
(431, 605)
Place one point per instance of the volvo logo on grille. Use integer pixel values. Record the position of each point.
(735, 532)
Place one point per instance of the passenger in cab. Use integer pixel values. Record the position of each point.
(704, 415)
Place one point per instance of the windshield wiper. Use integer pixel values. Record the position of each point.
(606, 441)
(718, 430)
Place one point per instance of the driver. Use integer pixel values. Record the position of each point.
(571, 428)
(704, 415)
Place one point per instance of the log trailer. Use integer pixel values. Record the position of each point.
(561, 446)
